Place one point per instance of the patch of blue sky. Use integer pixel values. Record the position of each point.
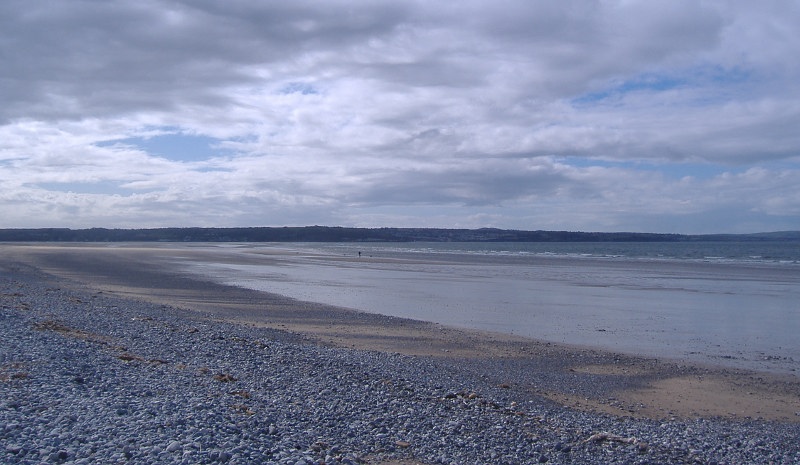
(727, 76)
(707, 76)
(303, 88)
(649, 82)
(176, 146)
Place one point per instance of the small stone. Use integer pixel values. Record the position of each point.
(174, 446)
(318, 446)
(59, 456)
(13, 449)
(403, 444)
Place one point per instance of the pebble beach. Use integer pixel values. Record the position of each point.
(92, 376)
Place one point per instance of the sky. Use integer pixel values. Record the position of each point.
(679, 116)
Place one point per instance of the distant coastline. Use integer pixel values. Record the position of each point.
(343, 234)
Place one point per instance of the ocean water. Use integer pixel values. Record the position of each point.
(726, 303)
(778, 252)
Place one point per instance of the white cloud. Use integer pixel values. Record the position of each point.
(410, 114)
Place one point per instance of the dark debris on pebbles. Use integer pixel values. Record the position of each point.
(87, 377)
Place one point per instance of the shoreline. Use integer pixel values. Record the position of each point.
(575, 377)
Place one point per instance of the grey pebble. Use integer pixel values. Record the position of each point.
(174, 446)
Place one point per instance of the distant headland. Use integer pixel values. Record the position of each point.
(343, 234)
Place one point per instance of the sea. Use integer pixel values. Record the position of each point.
(733, 304)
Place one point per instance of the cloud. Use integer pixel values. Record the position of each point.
(514, 114)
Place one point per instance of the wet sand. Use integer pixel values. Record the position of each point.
(576, 377)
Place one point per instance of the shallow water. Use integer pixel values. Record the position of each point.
(732, 312)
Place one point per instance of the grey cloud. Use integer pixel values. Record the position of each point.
(325, 107)
(78, 58)
(470, 183)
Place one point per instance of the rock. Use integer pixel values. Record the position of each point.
(59, 456)
(174, 446)
(13, 449)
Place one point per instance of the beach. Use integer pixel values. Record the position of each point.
(586, 391)
(736, 308)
